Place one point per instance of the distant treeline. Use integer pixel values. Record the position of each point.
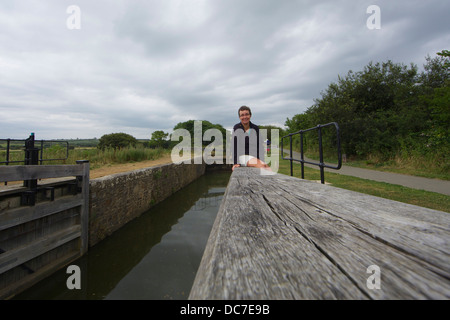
(158, 140)
(162, 140)
(388, 109)
(83, 143)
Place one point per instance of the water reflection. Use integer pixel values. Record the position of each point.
(155, 256)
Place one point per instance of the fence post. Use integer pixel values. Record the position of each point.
(8, 142)
(321, 164)
(290, 155)
(31, 158)
(84, 214)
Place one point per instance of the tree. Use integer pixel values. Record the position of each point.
(373, 107)
(297, 123)
(159, 139)
(435, 81)
(116, 141)
(269, 129)
(436, 71)
(387, 109)
(205, 125)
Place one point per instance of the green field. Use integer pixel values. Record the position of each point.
(83, 150)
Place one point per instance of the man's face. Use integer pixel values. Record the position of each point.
(244, 116)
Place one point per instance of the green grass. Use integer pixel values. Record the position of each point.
(420, 198)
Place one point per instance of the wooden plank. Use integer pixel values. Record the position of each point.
(410, 276)
(64, 238)
(13, 258)
(21, 215)
(30, 172)
(279, 237)
(413, 230)
(254, 255)
(16, 188)
(11, 290)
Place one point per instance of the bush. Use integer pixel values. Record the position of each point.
(116, 141)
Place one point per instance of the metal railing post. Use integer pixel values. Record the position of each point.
(302, 164)
(290, 155)
(321, 163)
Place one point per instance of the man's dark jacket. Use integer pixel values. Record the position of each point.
(257, 152)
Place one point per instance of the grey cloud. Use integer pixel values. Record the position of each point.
(139, 66)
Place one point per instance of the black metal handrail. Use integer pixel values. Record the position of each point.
(33, 155)
(41, 156)
(302, 160)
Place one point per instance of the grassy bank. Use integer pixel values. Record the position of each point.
(426, 167)
(96, 157)
(433, 166)
(99, 158)
(421, 198)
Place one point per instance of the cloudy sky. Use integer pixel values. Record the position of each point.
(139, 66)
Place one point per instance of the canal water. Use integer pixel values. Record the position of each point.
(155, 256)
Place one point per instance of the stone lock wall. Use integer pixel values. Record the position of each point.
(117, 199)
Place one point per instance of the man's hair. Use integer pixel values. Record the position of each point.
(243, 108)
